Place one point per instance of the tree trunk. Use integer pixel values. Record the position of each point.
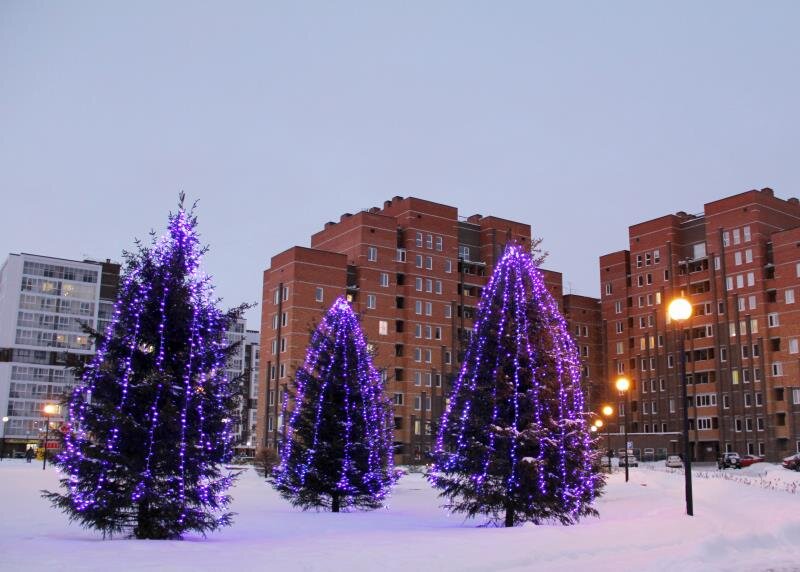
(335, 502)
(509, 517)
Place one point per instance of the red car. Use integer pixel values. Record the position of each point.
(748, 460)
(792, 462)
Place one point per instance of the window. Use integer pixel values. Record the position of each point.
(417, 330)
(448, 311)
(740, 280)
(463, 253)
(777, 369)
(438, 288)
(383, 328)
(656, 256)
(729, 283)
(748, 255)
(772, 320)
(371, 302)
(437, 333)
(672, 406)
(741, 304)
(398, 399)
(748, 424)
(620, 327)
(703, 423)
(284, 319)
(319, 295)
(638, 261)
(751, 279)
(752, 301)
(726, 401)
(439, 243)
(429, 308)
(401, 255)
(737, 425)
(737, 258)
(418, 284)
(417, 357)
(417, 406)
(608, 284)
(419, 240)
(662, 386)
(789, 296)
(620, 348)
(372, 254)
(428, 285)
(418, 307)
(418, 260)
(716, 263)
(283, 371)
(670, 361)
(448, 266)
(736, 236)
(726, 239)
(429, 263)
(796, 396)
(384, 279)
(283, 345)
(793, 346)
(429, 242)
(618, 307)
(285, 293)
(746, 232)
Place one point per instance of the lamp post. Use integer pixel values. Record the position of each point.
(623, 385)
(680, 310)
(607, 411)
(48, 410)
(3, 449)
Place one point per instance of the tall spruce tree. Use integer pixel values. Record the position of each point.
(150, 419)
(337, 451)
(515, 443)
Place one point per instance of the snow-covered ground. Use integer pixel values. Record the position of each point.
(748, 520)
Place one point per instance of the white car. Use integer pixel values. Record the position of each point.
(673, 461)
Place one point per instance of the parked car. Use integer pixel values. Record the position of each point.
(628, 460)
(748, 460)
(729, 461)
(674, 461)
(792, 462)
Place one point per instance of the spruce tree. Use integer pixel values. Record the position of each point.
(337, 451)
(515, 443)
(150, 419)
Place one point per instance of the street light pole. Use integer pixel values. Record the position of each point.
(48, 410)
(623, 386)
(680, 310)
(607, 411)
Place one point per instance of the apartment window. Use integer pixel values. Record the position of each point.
(670, 360)
(448, 358)
(741, 304)
(429, 308)
(736, 236)
(726, 239)
(417, 355)
(448, 266)
(740, 280)
(772, 320)
(703, 423)
(372, 254)
(285, 293)
(654, 409)
(282, 370)
(384, 279)
(656, 256)
(662, 386)
(428, 356)
(418, 307)
(716, 263)
(753, 326)
(645, 408)
(429, 285)
(283, 345)
(729, 283)
(756, 350)
(751, 279)
(419, 240)
(417, 407)
(726, 401)
(437, 333)
(417, 330)
(748, 425)
(618, 307)
(429, 332)
(748, 256)
(448, 311)
(418, 284)
(608, 284)
(796, 396)
(737, 258)
(620, 348)
(383, 328)
(371, 302)
(793, 346)
(463, 252)
(429, 242)
(620, 327)
(275, 322)
(789, 296)
(418, 260)
(752, 301)
(638, 261)
(759, 399)
(797, 269)
(746, 232)
(438, 288)
(585, 351)
(666, 275)
(429, 263)
(620, 367)
(319, 294)
(439, 243)
(777, 369)
(401, 255)
(672, 406)
(640, 280)
(737, 425)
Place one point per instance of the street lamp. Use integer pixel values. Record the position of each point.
(607, 411)
(48, 410)
(680, 310)
(3, 449)
(623, 385)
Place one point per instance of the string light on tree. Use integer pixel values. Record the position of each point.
(515, 442)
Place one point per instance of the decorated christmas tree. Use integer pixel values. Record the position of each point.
(515, 443)
(150, 419)
(337, 451)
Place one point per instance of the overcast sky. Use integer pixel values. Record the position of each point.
(580, 118)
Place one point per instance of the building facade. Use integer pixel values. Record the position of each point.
(44, 303)
(414, 271)
(738, 263)
(246, 422)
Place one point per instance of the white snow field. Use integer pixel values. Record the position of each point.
(748, 520)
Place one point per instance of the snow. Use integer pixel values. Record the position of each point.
(744, 520)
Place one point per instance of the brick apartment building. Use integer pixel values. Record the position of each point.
(414, 271)
(739, 264)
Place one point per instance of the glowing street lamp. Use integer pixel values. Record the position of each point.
(680, 310)
(3, 450)
(607, 411)
(47, 410)
(623, 384)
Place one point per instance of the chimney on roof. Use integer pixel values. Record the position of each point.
(374, 210)
(329, 223)
(387, 204)
(397, 198)
(793, 201)
(344, 216)
(681, 214)
(767, 191)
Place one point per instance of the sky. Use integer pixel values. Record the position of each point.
(579, 118)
